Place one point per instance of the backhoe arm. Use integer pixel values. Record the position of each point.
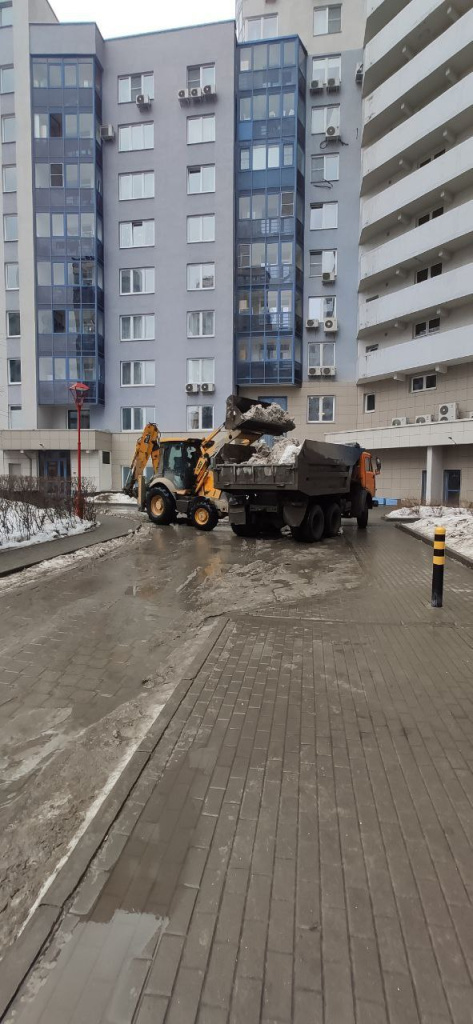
(147, 447)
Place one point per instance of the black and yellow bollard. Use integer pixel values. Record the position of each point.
(438, 567)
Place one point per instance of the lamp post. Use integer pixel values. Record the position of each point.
(79, 394)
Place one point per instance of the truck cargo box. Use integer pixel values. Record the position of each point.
(319, 469)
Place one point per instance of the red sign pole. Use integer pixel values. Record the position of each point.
(79, 392)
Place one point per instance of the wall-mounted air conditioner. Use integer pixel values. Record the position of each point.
(314, 371)
(333, 83)
(209, 91)
(207, 389)
(332, 134)
(183, 95)
(107, 132)
(312, 324)
(316, 85)
(143, 101)
(328, 276)
(425, 418)
(448, 411)
(331, 325)
(359, 74)
(195, 93)
(399, 421)
(192, 389)
(328, 371)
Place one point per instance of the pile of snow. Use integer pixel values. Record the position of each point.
(283, 453)
(458, 523)
(114, 498)
(22, 524)
(272, 414)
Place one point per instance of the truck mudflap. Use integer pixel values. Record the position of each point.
(294, 513)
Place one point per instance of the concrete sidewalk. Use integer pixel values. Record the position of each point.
(109, 527)
(299, 848)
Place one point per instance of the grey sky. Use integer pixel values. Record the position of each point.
(116, 18)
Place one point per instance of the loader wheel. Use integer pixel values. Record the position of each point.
(362, 519)
(333, 520)
(244, 529)
(203, 515)
(160, 506)
(313, 527)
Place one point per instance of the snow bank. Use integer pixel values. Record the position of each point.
(458, 523)
(272, 414)
(283, 453)
(424, 512)
(18, 529)
(114, 498)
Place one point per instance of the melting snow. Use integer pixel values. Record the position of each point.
(458, 523)
(14, 534)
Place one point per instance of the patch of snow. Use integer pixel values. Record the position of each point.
(283, 453)
(458, 523)
(114, 498)
(272, 414)
(427, 511)
(14, 534)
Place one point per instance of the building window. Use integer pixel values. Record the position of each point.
(371, 348)
(426, 272)
(131, 86)
(9, 178)
(200, 75)
(72, 419)
(136, 233)
(201, 228)
(7, 79)
(139, 327)
(431, 215)
(263, 27)
(327, 20)
(323, 261)
(201, 324)
(138, 373)
(6, 15)
(10, 227)
(14, 417)
(433, 156)
(106, 459)
(12, 277)
(324, 68)
(139, 185)
(426, 382)
(323, 215)
(200, 179)
(320, 353)
(137, 418)
(201, 129)
(320, 409)
(200, 417)
(135, 136)
(9, 128)
(14, 371)
(51, 175)
(325, 168)
(325, 117)
(201, 371)
(137, 281)
(200, 276)
(427, 327)
(370, 403)
(322, 306)
(13, 324)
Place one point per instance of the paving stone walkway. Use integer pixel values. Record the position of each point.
(299, 849)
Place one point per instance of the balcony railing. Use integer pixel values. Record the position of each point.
(283, 371)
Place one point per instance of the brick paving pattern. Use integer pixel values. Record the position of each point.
(299, 848)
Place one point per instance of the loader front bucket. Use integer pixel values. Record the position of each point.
(257, 417)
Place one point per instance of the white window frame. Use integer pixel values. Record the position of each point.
(148, 369)
(198, 373)
(328, 261)
(138, 181)
(330, 115)
(324, 208)
(13, 312)
(198, 173)
(8, 119)
(324, 68)
(331, 173)
(369, 394)
(132, 225)
(327, 307)
(206, 76)
(322, 14)
(206, 122)
(428, 329)
(148, 326)
(7, 72)
(321, 399)
(149, 416)
(5, 169)
(15, 287)
(200, 313)
(10, 381)
(149, 278)
(5, 22)
(423, 377)
(192, 409)
(140, 136)
(210, 217)
(263, 21)
(146, 87)
(199, 267)
(319, 349)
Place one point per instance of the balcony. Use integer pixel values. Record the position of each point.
(379, 13)
(421, 78)
(419, 301)
(447, 348)
(268, 371)
(424, 244)
(418, 191)
(269, 323)
(451, 112)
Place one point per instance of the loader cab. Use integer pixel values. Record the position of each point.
(177, 462)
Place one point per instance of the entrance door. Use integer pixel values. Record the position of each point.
(423, 488)
(55, 465)
(452, 486)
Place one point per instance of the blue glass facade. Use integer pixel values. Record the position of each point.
(68, 217)
(269, 188)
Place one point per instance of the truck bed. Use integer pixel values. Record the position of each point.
(319, 468)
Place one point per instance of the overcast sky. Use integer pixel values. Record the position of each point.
(117, 18)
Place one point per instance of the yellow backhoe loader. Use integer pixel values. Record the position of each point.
(183, 479)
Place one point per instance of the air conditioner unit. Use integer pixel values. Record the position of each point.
(423, 419)
(399, 421)
(207, 389)
(447, 412)
(328, 276)
(183, 94)
(359, 74)
(328, 371)
(332, 133)
(333, 83)
(107, 132)
(312, 324)
(316, 85)
(208, 90)
(195, 93)
(331, 325)
(143, 101)
(314, 371)
(192, 389)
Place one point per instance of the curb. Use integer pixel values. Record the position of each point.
(23, 954)
(457, 557)
(80, 547)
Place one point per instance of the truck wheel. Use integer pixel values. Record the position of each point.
(362, 519)
(244, 529)
(203, 515)
(333, 520)
(160, 506)
(314, 523)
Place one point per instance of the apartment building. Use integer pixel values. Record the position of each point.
(415, 339)
(117, 173)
